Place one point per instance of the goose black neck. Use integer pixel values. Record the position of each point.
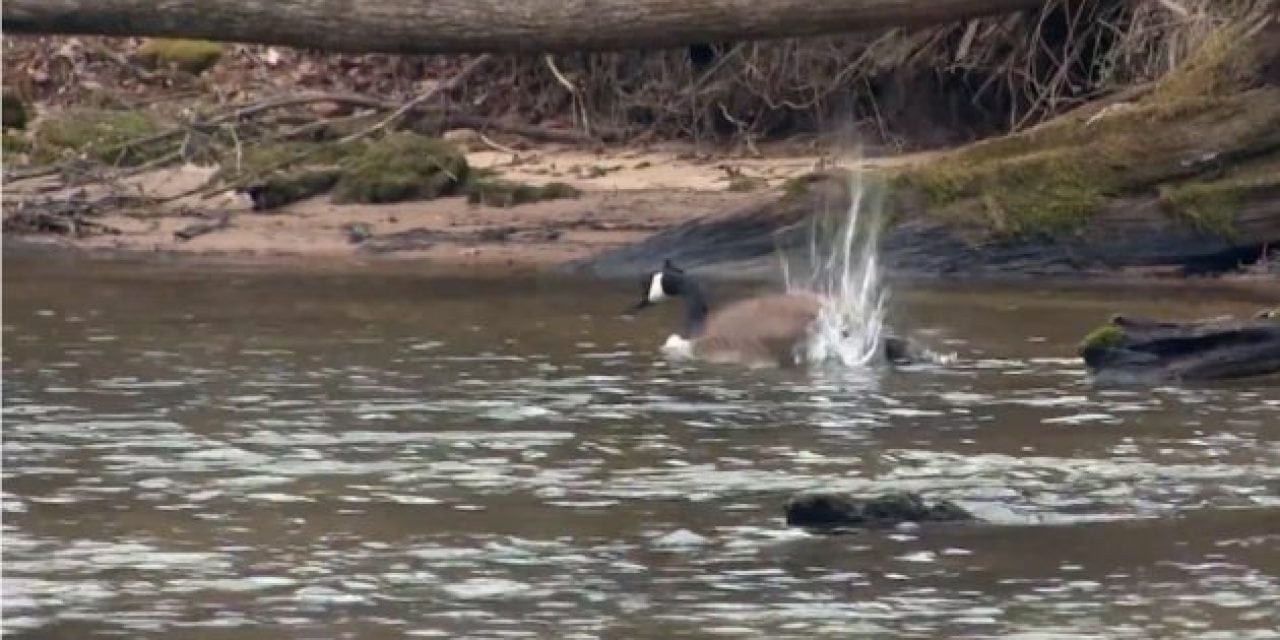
(695, 310)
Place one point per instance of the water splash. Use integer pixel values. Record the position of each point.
(841, 263)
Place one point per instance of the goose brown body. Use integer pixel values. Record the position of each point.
(763, 330)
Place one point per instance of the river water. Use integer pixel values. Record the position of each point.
(223, 451)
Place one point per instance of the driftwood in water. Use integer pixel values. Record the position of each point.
(832, 511)
(1142, 350)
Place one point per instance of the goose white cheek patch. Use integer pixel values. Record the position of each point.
(655, 288)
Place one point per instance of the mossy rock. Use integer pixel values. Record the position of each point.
(1106, 336)
(291, 186)
(191, 56)
(279, 156)
(505, 193)
(101, 134)
(14, 142)
(402, 166)
(278, 173)
(16, 113)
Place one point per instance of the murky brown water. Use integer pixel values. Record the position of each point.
(216, 452)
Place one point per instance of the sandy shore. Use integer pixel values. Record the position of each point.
(627, 195)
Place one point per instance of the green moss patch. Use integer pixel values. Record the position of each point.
(284, 188)
(276, 156)
(1106, 336)
(494, 192)
(398, 167)
(191, 56)
(14, 142)
(1212, 204)
(279, 173)
(101, 134)
(402, 166)
(1050, 180)
(1172, 143)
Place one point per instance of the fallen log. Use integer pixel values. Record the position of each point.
(1140, 350)
(478, 26)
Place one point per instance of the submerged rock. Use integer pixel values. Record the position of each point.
(833, 511)
(1141, 350)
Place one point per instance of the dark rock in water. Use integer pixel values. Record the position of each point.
(832, 511)
(899, 350)
(1138, 350)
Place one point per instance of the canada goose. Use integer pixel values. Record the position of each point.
(761, 331)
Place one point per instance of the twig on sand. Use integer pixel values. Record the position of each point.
(200, 228)
(494, 145)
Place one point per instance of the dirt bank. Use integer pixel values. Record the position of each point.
(626, 196)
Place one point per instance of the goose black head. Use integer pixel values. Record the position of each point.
(660, 285)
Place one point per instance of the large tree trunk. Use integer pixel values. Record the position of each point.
(458, 26)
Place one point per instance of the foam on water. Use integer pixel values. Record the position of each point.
(841, 263)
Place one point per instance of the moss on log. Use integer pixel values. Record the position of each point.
(1185, 174)
(1136, 350)
(1179, 143)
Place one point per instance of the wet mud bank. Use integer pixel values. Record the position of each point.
(1128, 239)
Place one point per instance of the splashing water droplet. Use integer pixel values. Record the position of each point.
(842, 265)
